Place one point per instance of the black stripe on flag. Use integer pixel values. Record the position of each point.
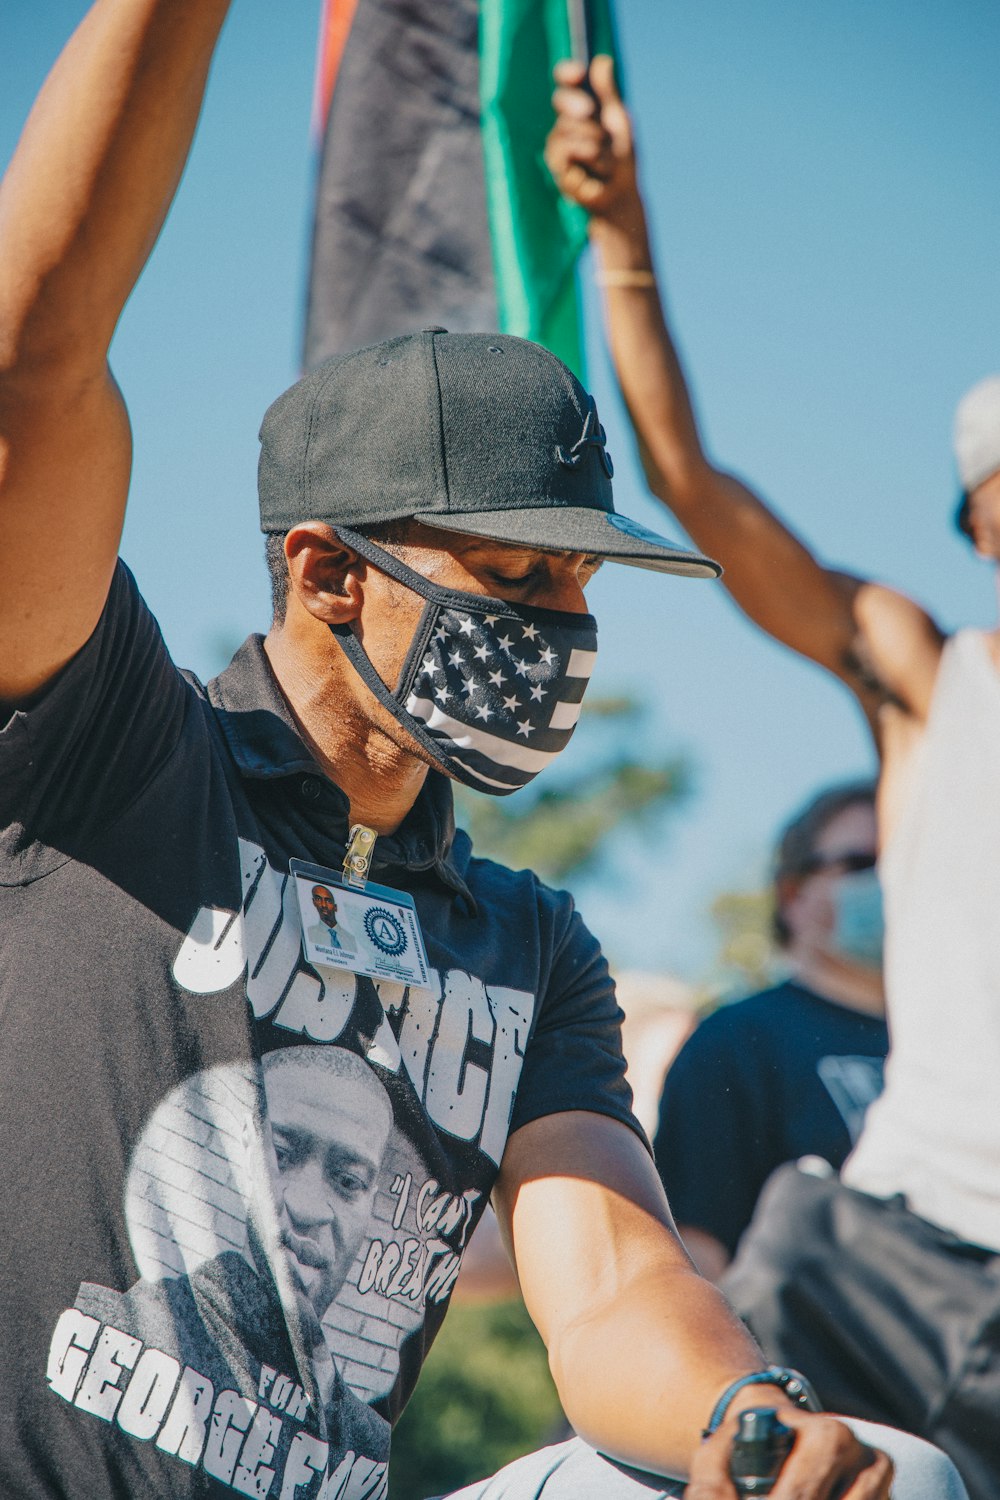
(401, 237)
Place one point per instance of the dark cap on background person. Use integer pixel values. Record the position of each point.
(480, 433)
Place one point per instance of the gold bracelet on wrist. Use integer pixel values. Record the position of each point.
(644, 278)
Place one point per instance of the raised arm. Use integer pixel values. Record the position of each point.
(881, 644)
(81, 205)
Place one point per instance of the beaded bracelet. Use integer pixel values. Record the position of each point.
(794, 1385)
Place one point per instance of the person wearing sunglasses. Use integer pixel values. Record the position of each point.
(790, 1071)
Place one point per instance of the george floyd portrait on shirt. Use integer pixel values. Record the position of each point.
(316, 1241)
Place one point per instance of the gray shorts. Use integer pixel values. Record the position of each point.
(572, 1471)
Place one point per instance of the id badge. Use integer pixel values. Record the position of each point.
(374, 931)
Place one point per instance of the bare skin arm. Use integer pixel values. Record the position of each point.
(639, 1344)
(81, 205)
(881, 644)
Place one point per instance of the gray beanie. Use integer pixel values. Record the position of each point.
(977, 433)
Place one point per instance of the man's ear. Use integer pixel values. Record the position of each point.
(325, 575)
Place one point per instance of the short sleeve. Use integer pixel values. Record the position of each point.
(574, 1057)
(709, 1145)
(76, 758)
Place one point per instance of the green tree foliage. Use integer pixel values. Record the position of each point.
(747, 952)
(485, 1396)
(560, 830)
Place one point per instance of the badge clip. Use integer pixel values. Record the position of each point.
(358, 858)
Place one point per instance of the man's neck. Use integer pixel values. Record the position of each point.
(380, 780)
(853, 985)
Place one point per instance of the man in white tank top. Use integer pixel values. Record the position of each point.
(933, 704)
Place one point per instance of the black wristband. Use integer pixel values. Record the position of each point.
(795, 1386)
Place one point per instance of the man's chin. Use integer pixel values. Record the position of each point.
(309, 1319)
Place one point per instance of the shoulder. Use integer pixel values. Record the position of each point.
(81, 751)
(898, 649)
(742, 1019)
(516, 897)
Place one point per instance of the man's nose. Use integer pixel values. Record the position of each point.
(565, 586)
(307, 1196)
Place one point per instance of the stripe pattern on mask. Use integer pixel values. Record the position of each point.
(502, 693)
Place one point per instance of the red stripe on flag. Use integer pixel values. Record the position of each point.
(335, 25)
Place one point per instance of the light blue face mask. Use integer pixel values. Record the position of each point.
(858, 918)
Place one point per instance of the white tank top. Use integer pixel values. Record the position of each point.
(934, 1135)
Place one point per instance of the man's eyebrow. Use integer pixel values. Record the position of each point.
(300, 1135)
(348, 1154)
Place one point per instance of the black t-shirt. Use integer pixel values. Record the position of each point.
(776, 1076)
(235, 1193)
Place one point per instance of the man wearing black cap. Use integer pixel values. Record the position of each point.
(888, 1293)
(441, 503)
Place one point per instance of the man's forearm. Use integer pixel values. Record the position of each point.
(723, 515)
(646, 362)
(95, 171)
(639, 1379)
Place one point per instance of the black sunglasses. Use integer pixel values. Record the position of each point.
(851, 862)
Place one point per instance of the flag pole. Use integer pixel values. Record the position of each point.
(579, 31)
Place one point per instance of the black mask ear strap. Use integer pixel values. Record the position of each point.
(361, 661)
(457, 598)
(395, 568)
(386, 563)
(362, 664)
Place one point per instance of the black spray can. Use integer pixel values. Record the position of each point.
(760, 1447)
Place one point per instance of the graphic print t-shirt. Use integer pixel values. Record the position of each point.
(236, 1189)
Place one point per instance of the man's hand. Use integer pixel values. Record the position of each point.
(827, 1462)
(590, 151)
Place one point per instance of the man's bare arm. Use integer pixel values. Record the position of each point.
(81, 205)
(640, 1345)
(882, 645)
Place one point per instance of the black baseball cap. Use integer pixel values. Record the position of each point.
(481, 433)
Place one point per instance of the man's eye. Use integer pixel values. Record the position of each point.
(513, 581)
(350, 1185)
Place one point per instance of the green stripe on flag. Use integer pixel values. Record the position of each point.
(536, 235)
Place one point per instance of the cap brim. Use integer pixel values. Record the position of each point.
(568, 528)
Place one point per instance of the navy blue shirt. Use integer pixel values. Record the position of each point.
(235, 1189)
(779, 1075)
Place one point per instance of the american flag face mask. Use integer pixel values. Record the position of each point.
(491, 690)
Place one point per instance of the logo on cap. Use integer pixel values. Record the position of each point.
(593, 435)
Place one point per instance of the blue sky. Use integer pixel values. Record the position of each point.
(822, 182)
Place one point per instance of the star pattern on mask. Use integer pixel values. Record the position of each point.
(495, 670)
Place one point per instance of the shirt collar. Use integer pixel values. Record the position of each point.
(265, 743)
